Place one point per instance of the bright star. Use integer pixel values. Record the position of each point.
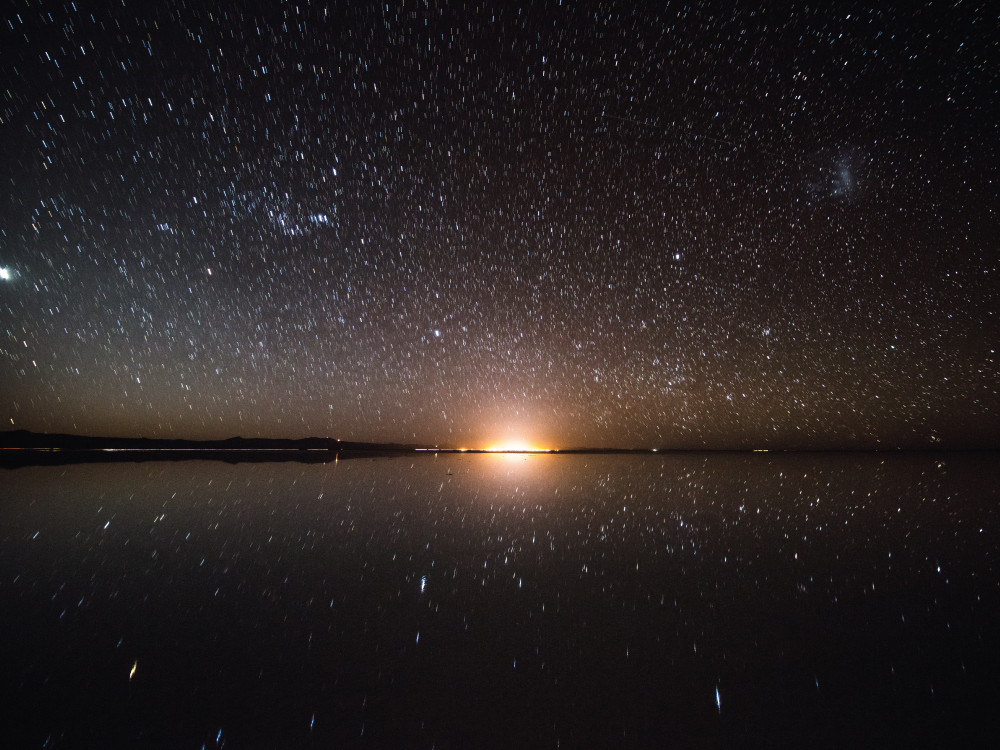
(4, 273)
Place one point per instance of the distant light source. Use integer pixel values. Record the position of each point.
(4, 273)
(516, 446)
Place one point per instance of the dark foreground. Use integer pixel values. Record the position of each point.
(710, 600)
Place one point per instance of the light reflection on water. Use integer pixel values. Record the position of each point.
(475, 600)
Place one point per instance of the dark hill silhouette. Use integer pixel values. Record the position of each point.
(51, 441)
(22, 447)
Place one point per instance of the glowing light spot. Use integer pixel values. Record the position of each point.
(4, 273)
(516, 446)
(131, 674)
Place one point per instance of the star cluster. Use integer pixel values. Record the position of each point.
(569, 223)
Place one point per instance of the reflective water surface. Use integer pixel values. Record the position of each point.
(503, 601)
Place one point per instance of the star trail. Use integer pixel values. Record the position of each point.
(562, 224)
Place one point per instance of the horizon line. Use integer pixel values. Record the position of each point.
(37, 441)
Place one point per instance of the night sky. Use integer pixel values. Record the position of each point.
(568, 223)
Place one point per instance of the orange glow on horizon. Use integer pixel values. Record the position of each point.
(516, 446)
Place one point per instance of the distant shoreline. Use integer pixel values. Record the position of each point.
(14, 458)
(24, 448)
